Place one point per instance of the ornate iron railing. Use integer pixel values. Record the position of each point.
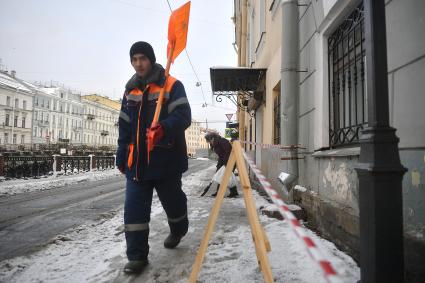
(348, 98)
(15, 166)
(74, 164)
(27, 166)
(52, 148)
(104, 162)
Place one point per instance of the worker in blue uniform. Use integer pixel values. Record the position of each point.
(168, 160)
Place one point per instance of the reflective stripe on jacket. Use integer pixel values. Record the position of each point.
(169, 157)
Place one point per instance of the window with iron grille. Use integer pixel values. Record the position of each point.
(276, 118)
(347, 89)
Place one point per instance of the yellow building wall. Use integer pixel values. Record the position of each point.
(193, 136)
(267, 56)
(103, 100)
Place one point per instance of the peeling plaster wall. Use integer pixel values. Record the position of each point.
(339, 182)
(331, 199)
(414, 192)
(331, 196)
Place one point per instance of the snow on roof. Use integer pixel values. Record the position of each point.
(50, 90)
(30, 85)
(9, 81)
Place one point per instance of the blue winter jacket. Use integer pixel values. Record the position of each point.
(169, 156)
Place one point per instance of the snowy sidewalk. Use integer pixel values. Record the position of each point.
(95, 252)
(14, 187)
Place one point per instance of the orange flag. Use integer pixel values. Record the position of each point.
(177, 37)
(177, 30)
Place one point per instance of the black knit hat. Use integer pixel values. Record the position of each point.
(144, 48)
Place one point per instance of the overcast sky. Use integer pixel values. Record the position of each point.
(85, 44)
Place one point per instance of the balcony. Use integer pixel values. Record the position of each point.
(43, 123)
(104, 133)
(90, 116)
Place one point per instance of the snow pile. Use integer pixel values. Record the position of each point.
(299, 188)
(21, 186)
(75, 257)
(95, 252)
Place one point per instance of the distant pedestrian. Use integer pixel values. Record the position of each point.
(222, 147)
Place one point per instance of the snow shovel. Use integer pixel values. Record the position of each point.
(207, 188)
(177, 38)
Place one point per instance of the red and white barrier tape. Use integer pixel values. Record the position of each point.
(279, 146)
(329, 272)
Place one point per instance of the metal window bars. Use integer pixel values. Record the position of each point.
(347, 97)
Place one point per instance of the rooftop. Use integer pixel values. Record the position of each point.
(11, 82)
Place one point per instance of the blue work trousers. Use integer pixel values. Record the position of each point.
(137, 210)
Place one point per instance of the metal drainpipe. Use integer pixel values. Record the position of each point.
(289, 90)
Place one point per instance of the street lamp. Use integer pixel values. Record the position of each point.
(379, 170)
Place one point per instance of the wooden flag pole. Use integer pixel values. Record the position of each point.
(162, 91)
(177, 37)
(159, 103)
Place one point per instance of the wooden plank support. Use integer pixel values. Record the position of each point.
(212, 219)
(252, 214)
(266, 241)
(260, 239)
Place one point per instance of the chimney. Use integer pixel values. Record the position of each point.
(13, 73)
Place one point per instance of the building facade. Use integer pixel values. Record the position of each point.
(39, 114)
(202, 143)
(58, 116)
(192, 135)
(100, 120)
(16, 105)
(315, 97)
(196, 144)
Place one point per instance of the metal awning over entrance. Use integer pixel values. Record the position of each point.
(228, 80)
(234, 82)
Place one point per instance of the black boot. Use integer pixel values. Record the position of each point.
(135, 266)
(177, 231)
(172, 241)
(233, 192)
